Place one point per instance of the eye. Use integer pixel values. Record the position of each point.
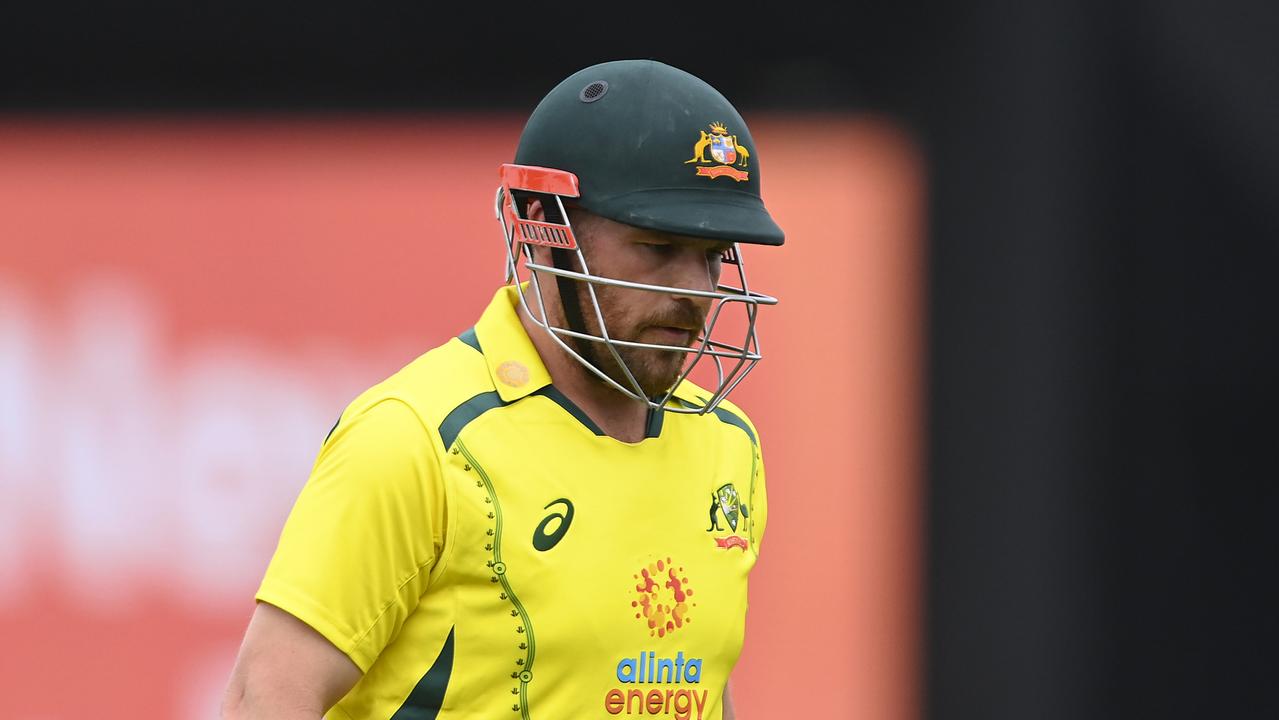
(657, 246)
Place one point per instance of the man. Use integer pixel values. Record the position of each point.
(514, 524)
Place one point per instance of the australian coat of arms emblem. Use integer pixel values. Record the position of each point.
(726, 156)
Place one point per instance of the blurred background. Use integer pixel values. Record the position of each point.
(1018, 401)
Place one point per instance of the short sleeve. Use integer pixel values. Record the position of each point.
(357, 550)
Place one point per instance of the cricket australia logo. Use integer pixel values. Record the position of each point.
(724, 150)
(727, 502)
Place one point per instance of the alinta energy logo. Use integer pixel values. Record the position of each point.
(664, 598)
(677, 699)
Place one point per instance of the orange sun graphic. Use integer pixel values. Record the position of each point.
(664, 597)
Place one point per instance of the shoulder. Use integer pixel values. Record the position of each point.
(723, 418)
(431, 386)
(733, 415)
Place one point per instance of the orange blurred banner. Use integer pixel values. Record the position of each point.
(187, 305)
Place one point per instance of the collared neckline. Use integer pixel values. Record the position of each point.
(517, 371)
(513, 363)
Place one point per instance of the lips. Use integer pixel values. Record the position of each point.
(669, 335)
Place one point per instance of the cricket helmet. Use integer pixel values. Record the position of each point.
(651, 146)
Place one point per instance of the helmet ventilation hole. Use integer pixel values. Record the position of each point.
(593, 91)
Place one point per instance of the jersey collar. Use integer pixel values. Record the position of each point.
(514, 366)
(513, 363)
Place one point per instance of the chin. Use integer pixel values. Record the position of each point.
(658, 383)
(655, 371)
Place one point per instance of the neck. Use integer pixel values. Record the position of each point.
(619, 416)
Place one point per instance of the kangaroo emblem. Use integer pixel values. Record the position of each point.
(723, 147)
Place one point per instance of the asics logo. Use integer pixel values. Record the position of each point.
(543, 540)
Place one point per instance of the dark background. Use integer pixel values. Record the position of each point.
(343, 56)
(1104, 242)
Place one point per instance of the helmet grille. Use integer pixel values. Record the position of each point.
(545, 234)
(593, 91)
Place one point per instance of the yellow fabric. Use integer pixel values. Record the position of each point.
(433, 544)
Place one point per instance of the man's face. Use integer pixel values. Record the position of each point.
(625, 252)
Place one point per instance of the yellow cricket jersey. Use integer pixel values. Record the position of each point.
(480, 549)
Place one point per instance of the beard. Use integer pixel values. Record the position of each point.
(655, 371)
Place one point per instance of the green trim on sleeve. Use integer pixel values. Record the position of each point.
(463, 414)
(470, 338)
(732, 419)
(427, 697)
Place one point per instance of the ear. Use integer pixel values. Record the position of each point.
(535, 211)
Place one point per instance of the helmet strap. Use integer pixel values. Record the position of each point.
(572, 304)
(569, 298)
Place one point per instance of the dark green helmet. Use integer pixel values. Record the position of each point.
(654, 147)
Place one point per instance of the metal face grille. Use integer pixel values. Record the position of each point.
(733, 313)
(544, 234)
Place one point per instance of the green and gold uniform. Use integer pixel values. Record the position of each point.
(480, 549)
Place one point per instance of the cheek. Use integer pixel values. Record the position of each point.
(620, 307)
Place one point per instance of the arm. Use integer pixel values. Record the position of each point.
(353, 560)
(286, 671)
(728, 702)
